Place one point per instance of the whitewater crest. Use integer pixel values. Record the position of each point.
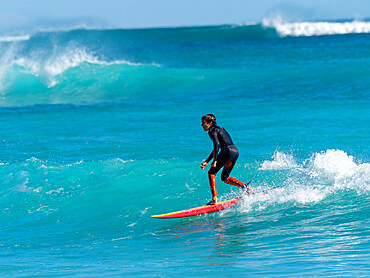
(54, 76)
(338, 168)
(324, 174)
(331, 167)
(46, 57)
(281, 161)
(14, 38)
(309, 29)
(59, 63)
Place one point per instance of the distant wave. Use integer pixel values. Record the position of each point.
(93, 66)
(268, 28)
(309, 29)
(80, 79)
(62, 77)
(91, 83)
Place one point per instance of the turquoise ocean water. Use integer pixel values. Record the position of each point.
(100, 129)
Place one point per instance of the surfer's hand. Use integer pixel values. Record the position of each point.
(214, 164)
(203, 165)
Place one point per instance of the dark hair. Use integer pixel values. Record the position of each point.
(209, 118)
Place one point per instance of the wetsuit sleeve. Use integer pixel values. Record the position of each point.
(216, 143)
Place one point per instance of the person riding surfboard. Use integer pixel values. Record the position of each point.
(226, 157)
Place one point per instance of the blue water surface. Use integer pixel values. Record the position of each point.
(100, 129)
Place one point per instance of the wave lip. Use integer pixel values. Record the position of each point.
(321, 28)
(70, 59)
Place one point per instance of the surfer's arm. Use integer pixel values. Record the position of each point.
(216, 145)
(210, 156)
(204, 164)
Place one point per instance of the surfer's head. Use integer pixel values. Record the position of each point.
(208, 120)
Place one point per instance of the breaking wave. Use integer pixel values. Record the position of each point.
(309, 29)
(323, 175)
(94, 66)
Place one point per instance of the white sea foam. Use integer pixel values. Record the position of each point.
(21, 179)
(48, 69)
(74, 58)
(55, 191)
(281, 161)
(14, 38)
(335, 163)
(308, 29)
(330, 167)
(339, 169)
(60, 62)
(5, 62)
(122, 160)
(44, 209)
(325, 173)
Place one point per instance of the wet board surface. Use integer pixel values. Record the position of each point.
(198, 210)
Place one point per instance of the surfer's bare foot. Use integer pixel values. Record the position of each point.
(212, 202)
(247, 189)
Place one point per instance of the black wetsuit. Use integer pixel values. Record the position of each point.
(228, 154)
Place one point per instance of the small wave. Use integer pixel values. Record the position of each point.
(308, 29)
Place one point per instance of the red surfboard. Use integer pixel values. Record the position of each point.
(199, 210)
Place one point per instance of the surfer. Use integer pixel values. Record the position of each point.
(226, 158)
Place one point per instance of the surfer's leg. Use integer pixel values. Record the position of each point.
(212, 183)
(212, 178)
(225, 175)
(230, 180)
